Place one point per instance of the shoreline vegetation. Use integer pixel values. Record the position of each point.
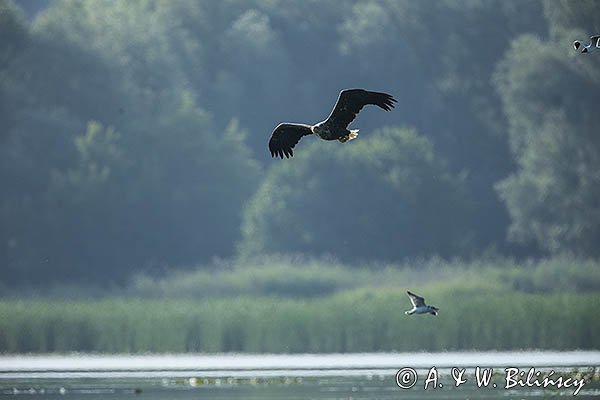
(320, 307)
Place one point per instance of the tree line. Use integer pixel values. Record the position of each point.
(133, 134)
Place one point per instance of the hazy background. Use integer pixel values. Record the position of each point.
(140, 209)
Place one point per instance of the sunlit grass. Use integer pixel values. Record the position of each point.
(286, 277)
(352, 321)
(283, 305)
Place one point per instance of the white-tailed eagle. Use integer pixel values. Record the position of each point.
(335, 127)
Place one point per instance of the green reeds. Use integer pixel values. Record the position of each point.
(360, 320)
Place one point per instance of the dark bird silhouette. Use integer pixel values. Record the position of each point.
(335, 127)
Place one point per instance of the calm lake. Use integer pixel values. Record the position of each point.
(472, 375)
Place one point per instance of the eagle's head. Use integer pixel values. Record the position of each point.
(576, 45)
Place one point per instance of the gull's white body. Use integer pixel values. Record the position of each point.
(419, 306)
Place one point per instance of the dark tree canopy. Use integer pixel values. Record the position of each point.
(371, 199)
(132, 133)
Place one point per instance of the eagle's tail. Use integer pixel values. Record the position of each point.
(352, 135)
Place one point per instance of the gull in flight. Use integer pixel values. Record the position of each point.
(419, 306)
(594, 44)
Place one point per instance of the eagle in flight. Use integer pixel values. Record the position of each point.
(335, 127)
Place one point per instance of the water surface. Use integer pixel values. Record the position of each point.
(303, 376)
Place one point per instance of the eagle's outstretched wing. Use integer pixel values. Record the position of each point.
(284, 138)
(351, 101)
(417, 301)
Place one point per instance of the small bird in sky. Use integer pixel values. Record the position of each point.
(335, 127)
(419, 306)
(594, 44)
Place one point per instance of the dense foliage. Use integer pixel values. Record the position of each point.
(287, 305)
(133, 133)
(549, 95)
(385, 198)
(361, 321)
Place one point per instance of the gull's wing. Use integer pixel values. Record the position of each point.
(417, 301)
(285, 137)
(351, 101)
(595, 40)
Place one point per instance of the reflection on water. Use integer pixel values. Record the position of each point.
(331, 376)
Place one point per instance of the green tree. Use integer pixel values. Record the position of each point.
(549, 94)
(15, 36)
(442, 55)
(564, 16)
(122, 62)
(149, 182)
(385, 197)
(37, 143)
(163, 192)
